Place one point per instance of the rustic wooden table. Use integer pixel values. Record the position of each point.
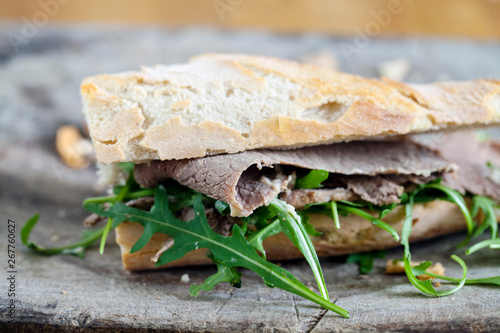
(39, 91)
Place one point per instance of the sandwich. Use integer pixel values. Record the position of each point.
(241, 161)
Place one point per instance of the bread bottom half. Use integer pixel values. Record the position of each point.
(355, 235)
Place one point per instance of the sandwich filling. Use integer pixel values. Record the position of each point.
(374, 172)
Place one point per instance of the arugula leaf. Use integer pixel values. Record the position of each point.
(488, 207)
(492, 243)
(123, 192)
(110, 198)
(128, 167)
(233, 251)
(224, 274)
(257, 237)
(312, 180)
(295, 231)
(77, 249)
(343, 206)
(222, 207)
(365, 260)
(451, 195)
(424, 286)
(309, 227)
(335, 214)
(422, 269)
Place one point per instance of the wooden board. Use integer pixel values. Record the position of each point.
(40, 91)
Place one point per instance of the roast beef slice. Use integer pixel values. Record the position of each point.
(478, 162)
(238, 179)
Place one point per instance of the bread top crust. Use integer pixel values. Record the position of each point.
(228, 103)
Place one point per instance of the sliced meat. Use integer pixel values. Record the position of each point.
(412, 179)
(299, 198)
(237, 178)
(379, 190)
(472, 157)
(375, 189)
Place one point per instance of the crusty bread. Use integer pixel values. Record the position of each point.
(355, 235)
(230, 103)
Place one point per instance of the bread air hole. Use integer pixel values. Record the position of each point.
(325, 113)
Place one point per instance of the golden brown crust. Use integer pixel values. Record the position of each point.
(257, 102)
(355, 235)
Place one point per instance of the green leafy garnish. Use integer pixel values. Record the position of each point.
(77, 249)
(312, 180)
(346, 207)
(422, 269)
(113, 198)
(335, 214)
(295, 231)
(492, 243)
(332, 209)
(487, 206)
(257, 237)
(365, 260)
(222, 207)
(124, 190)
(309, 227)
(424, 286)
(421, 194)
(224, 274)
(233, 251)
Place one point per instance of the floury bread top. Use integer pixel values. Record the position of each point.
(228, 103)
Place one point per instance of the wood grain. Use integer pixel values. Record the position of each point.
(39, 93)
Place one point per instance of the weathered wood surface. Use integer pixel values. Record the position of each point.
(39, 91)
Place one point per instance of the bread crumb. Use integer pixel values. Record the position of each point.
(396, 69)
(437, 268)
(74, 150)
(54, 238)
(158, 298)
(185, 278)
(64, 293)
(437, 284)
(397, 267)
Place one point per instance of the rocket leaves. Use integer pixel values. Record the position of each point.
(426, 286)
(291, 224)
(312, 180)
(230, 252)
(78, 248)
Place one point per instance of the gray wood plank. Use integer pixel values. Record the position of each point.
(40, 91)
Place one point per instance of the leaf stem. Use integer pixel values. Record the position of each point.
(121, 195)
(374, 220)
(335, 214)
